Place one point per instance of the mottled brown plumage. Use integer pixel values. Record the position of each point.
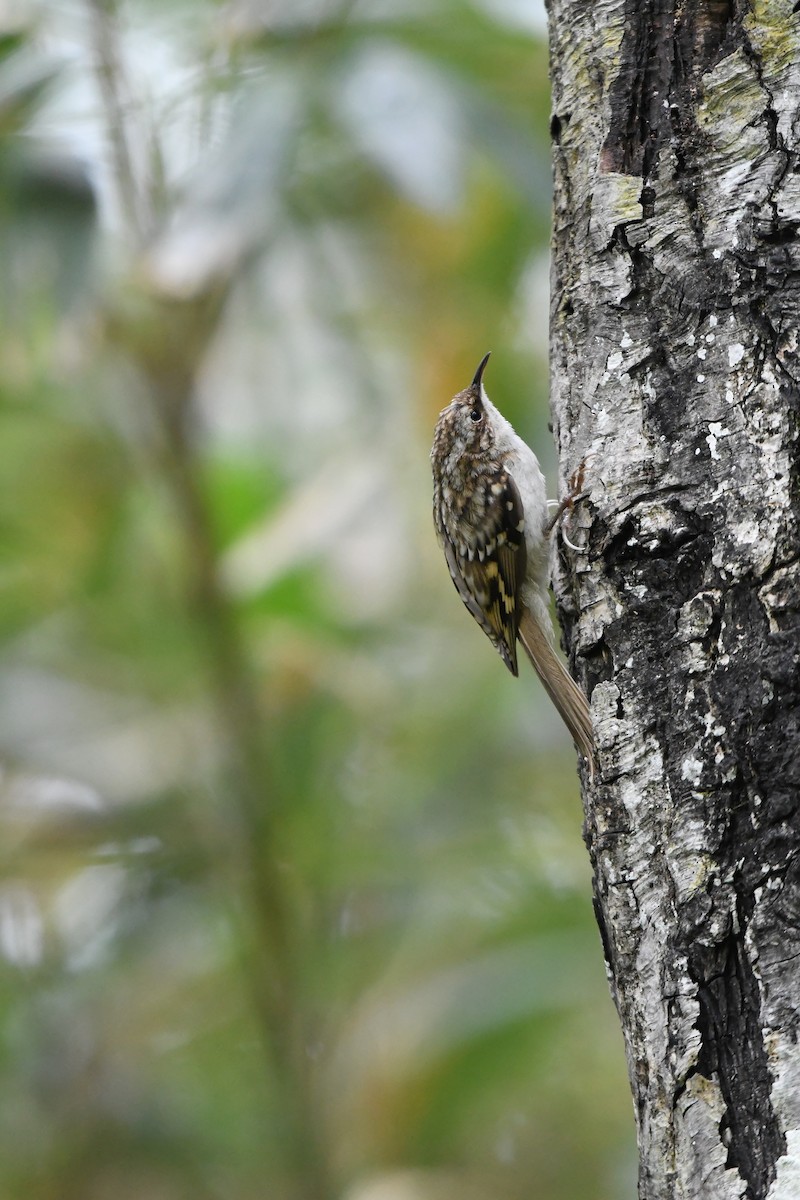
(481, 530)
(490, 513)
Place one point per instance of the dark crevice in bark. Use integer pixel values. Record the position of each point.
(703, 35)
(710, 31)
(605, 938)
(674, 489)
(749, 838)
(628, 545)
(713, 936)
(637, 94)
(733, 1052)
(665, 49)
(558, 121)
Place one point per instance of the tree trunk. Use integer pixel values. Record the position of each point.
(675, 315)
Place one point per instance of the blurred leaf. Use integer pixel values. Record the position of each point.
(25, 76)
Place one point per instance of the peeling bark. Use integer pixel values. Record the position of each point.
(674, 326)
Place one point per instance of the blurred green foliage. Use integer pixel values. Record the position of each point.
(294, 901)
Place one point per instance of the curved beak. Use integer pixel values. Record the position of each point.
(476, 383)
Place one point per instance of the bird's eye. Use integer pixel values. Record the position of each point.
(476, 415)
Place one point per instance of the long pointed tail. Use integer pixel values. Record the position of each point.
(559, 685)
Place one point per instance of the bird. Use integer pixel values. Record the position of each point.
(490, 512)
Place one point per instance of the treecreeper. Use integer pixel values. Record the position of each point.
(491, 516)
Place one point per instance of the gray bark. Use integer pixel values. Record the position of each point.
(674, 326)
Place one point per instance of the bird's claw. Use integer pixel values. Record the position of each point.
(573, 496)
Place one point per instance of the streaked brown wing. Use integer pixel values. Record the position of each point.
(487, 565)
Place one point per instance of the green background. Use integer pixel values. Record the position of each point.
(294, 901)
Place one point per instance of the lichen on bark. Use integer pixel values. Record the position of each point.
(674, 325)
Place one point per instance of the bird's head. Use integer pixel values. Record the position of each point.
(465, 423)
